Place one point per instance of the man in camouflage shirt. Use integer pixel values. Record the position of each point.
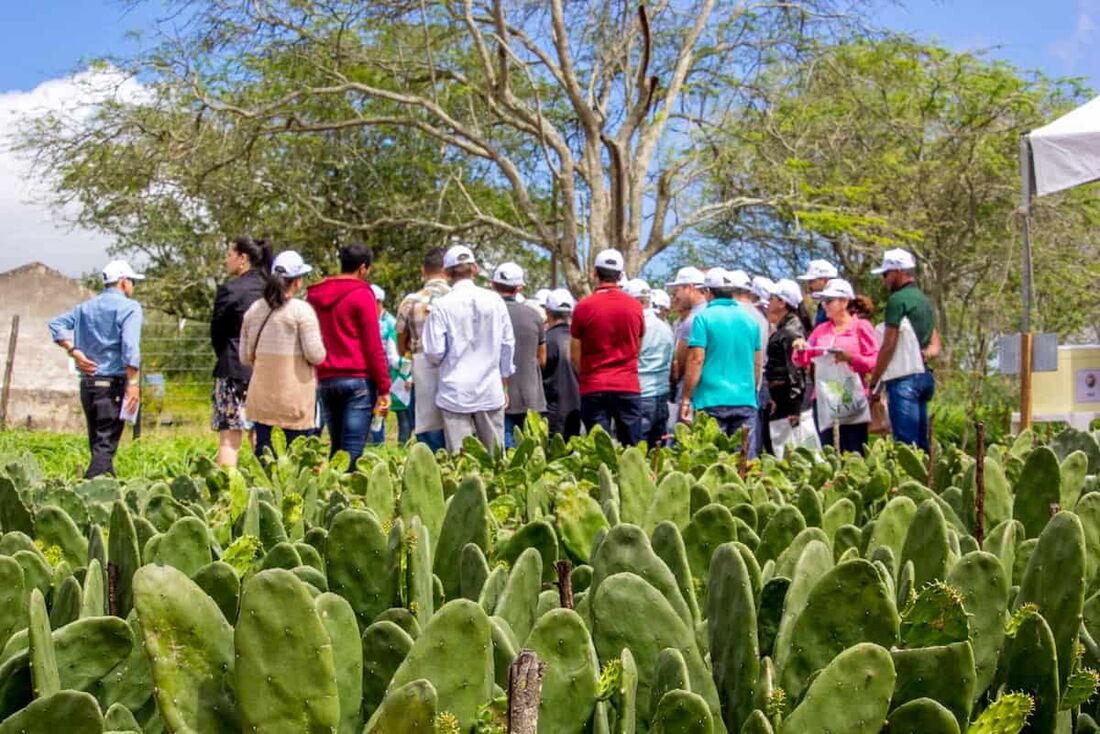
(412, 314)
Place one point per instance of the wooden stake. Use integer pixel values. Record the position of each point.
(112, 589)
(9, 364)
(931, 451)
(1025, 380)
(564, 568)
(743, 463)
(524, 693)
(979, 486)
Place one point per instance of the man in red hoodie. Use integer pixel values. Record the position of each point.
(354, 379)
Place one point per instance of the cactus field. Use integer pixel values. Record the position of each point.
(559, 588)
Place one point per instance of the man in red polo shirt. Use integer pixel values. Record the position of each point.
(607, 332)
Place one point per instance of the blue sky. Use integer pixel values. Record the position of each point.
(44, 42)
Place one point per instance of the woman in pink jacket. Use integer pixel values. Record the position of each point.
(845, 339)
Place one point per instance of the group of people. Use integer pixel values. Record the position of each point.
(460, 360)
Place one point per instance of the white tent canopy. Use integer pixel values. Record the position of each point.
(1066, 152)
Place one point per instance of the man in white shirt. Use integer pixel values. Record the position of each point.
(469, 335)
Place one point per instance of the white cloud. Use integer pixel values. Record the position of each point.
(30, 230)
(1073, 48)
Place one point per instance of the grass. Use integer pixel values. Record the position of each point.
(65, 455)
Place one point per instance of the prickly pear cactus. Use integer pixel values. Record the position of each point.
(921, 716)
(627, 548)
(190, 649)
(385, 646)
(221, 583)
(93, 600)
(981, 581)
(54, 527)
(1009, 714)
(1054, 581)
(338, 619)
(409, 709)
(848, 605)
(682, 712)
(1039, 487)
(1029, 664)
(355, 557)
(466, 521)
(926, 544)
(935, 617)
(816, 560)
(863, 677)
(731, 622)
(669, 546)
(72, 712)
(944, 673)
(1080, 688)
(124, 554)
(285, 675)
(455, 653)
(13, 599)
(422, 494)
(44, 675)
(519, 598)
(562, 642)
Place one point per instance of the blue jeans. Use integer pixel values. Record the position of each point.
(619, 409)
(263, 437)
(654, 419)
(732, 417)
(511, 422)
(347, 403)
(435, 440)
(907, 402)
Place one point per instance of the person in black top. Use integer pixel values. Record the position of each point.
(246, 261)
(559, 379)
(786, 382)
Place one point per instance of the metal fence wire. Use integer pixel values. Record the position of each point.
(177, 373)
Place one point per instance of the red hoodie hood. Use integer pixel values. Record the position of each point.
(325, 295)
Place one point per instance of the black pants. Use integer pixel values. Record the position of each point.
(614, 410)
(853, 438)
(101, 398)
(567, 424)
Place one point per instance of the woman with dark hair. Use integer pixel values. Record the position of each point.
(281, 341)
(786, 380)
(246, 261)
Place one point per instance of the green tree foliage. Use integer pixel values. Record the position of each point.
(878, 143)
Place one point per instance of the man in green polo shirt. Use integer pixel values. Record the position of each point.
(910, 385)
(724, 358)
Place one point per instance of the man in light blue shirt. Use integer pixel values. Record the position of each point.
(103, 336)
(654, 366)
(724, 359)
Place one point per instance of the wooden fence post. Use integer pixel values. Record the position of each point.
(9, 364)
(564, 568)
(524, 693)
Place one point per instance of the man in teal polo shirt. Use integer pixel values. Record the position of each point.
(724, 359)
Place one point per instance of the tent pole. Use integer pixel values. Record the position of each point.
(1025, 330)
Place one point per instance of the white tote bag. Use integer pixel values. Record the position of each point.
(785, 436)
(841, 398)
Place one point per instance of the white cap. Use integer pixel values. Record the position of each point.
(660, 299)
(637, 288)
(688, 276)
(508, 274)
(718, 278)
(458, 255)
(560, 300)
(610, 259)
(540, 296)
(379, 292)
(896, 259)
(290, 264)
(787, 291)
(819, 269)
(116, 270)
(741, 280)
(762, 287)
(836, 288)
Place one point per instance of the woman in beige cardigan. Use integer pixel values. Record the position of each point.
(281, 341)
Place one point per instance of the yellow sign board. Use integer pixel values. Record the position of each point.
(1074, 387)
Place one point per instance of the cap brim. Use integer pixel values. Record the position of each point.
(136, 276)
(880, 271)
